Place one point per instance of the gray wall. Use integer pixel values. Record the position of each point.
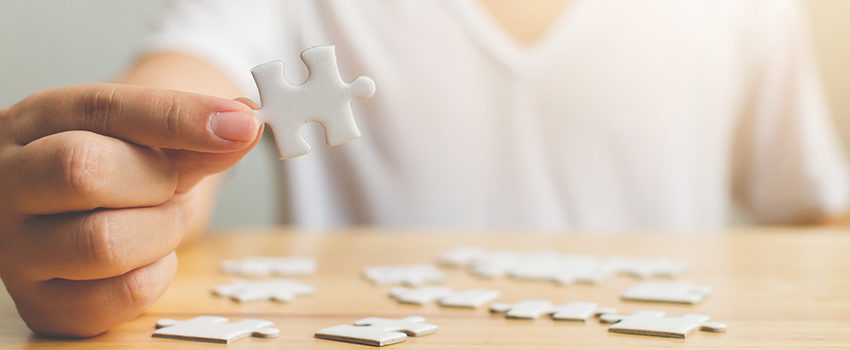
(53, 43)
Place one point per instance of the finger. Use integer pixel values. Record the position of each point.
(98, 244)
(81, 170)
(192, 167)
(88, 308)
(150, 117)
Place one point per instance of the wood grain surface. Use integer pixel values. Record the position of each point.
(774, 288)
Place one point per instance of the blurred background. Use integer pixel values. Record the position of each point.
(52, 43)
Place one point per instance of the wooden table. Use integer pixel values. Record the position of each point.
(773, 288)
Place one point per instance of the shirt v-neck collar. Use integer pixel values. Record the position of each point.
(493, 38)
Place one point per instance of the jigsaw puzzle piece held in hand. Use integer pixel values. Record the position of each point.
(376, 331)
(214, 329)
(323, 98)
(655, 323)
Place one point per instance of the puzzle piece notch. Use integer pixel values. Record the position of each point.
(258, 266)
(275, 289)
(214, 329)
(533, 309)
(323, 98)
(669, 292)
(470, 298)
(656, 323)
(376, 331)
(411, 275)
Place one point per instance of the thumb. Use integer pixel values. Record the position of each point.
(192, 166)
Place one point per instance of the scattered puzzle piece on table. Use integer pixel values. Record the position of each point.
(323, 98)
(274, 289)
(421, 295)
(470, 298)
(557, 267)
(446, 296)
(669, 292)
(655, 323)
(645, 268)
(264, 266)
(533, 309)
(461, 256)
(411, 275)
(376, 331)
(214, 329)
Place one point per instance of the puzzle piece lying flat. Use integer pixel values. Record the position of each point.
(377, 331)
(645, 268)
(421, 295)
(532, 309)
(214, 329)
(669, 292)
(323, 98)
(411, 275)
(461, 256)
(656, 324)
(275, 289)
(264, 266)
(447, 297)
(471, 298)
(557, 267)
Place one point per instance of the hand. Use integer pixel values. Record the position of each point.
(98, 184)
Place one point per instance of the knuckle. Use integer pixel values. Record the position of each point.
(98, 106)
(132, 288)
(172, 116)
(98, 244)
(81, 167)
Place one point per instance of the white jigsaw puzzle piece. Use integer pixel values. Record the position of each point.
(645, 268)
(214, 329)
(411, 275)
(655, 323)
(274, 289)
(461, 256)
(670, 292)
(533, 309)
(524, 309)
(470, 298)
(257, 266)
(579, 311)
(376, 331)
(323, 98)
(421, 295)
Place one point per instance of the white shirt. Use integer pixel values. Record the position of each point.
(626, 114)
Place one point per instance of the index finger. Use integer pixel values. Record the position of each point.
(149, 117)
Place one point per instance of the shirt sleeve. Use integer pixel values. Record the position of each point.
(789, 165)
(232, 35)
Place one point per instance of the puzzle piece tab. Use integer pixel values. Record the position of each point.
(411, 275)
(377, 331)
(668, 292)
(257, 266)
(274, 289)
(214, 329)
(323, 98)
(532, 309)
(655, 323)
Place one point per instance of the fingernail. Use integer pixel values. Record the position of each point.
(234, 126)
